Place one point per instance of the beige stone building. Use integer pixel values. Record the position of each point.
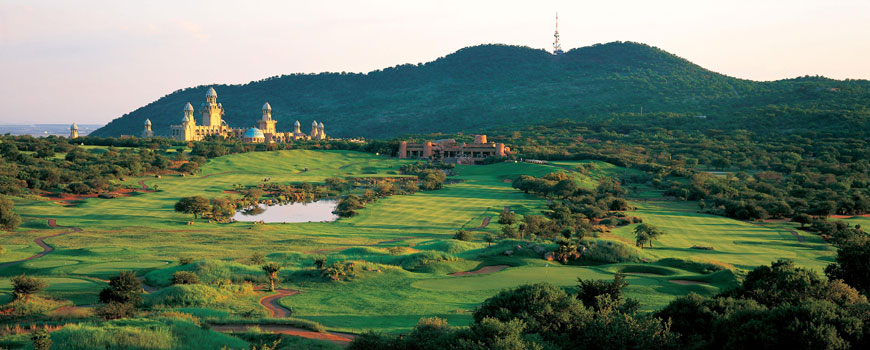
(212, 123)
(73, 131)
(448, 150)
(146, 132)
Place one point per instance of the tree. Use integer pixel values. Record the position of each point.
(589, 291)
(9, 220)
(271, 270)
(23, 287)
(41, 340)
(646, 233)
(507, 218)
(852, 265)
(431, 179)
(184, 277)
(802, 219)
(189, 167)
(490, 239)
(543, 307)
(124, 288)
(195, 205)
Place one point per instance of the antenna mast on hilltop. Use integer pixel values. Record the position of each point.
(557, 47)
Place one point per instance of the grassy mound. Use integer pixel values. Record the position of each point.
(140, 333)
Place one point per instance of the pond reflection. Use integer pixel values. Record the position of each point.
(318, 211)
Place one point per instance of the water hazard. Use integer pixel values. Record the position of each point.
(318, 211)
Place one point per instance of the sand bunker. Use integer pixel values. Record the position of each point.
(480, 271)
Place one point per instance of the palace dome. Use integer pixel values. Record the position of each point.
(211, 92)
(188, 107)
(147, 121)
(267, 107)
(254, 133)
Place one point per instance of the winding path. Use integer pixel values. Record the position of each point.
(270, 302)
(41, 242)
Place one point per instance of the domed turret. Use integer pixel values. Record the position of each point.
(267, 107)
(73, 126)
(254, 135)
(211, 93)
(297, 123)
(188, 107)
(73, 131)
(148, 122)
(185, 119)
(320, 126)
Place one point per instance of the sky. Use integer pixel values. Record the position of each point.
(90, 61)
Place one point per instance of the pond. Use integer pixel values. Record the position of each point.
(318, 211)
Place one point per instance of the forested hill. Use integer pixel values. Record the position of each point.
(483, 86)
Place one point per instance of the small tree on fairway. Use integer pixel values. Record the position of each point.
(41, 340)
(195, 205)
(489, 238)
(271, 270)
(124, 288)
(646, 233)
(23, 287)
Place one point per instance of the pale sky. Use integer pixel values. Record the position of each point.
(91, 61)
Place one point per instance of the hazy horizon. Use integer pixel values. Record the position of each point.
(93, 61)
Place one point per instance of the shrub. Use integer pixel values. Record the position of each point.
(184, 277)
(114, 310)
(41, 340)
(463, 235)
(609, 251)
(257, 258)
(185, 260)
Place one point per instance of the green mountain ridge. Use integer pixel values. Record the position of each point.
(481, 87)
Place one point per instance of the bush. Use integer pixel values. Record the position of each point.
(185, 260)
(41, 340)
(23, 287)
(609, 251)
(184, 277)
(463, 235)
(114, 311)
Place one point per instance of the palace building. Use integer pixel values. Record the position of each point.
(448, 150)
(212, 123)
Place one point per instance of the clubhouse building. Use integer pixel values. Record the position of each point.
(449, 151)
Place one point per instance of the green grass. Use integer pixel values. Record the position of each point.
(402, 241)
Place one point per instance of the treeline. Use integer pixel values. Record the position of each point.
(761, 175)
(780, 306)
(53, 164)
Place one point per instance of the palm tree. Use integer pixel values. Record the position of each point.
(271, 270)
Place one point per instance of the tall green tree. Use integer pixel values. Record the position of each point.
(9, 220)
(125, 288)
(195, 205)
